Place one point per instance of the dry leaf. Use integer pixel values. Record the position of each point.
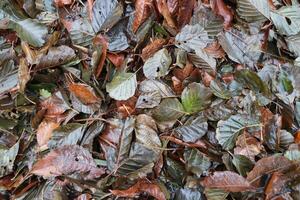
(24, 74)
(185, 10)
(83, 92)
(142, 13)
(116, 59)
(268, 165)
(127, 107)
(153, 47)
(164, 10)
(220, 8)
(141, 186)
(101, 41)
(67, 160)
(61, 3)
(215, 50)
(45, 130)
(228, 181)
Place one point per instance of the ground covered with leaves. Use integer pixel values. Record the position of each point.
(150, 99)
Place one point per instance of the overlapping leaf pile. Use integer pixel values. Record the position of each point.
(149, 99)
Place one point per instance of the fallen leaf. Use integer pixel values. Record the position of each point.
(141, 186)
(142, 12)
(99, 40)
(215, 50)
(153, 47)
(83, 92)
(45, 130)
(164, 10)
(220, 8)
(61, 3)
(268, 165)
(228, 181)
(67, 160)
(116, 59)
(126, 107)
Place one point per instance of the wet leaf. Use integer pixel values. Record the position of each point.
(228, 181)
(196, 162)
(195, 97)
(148, 100)
(230, 129)
(188, 194)
(168, 110)
(242, 164)
(66, 160)
(123, 86)
(84, 93)
(7, 158)
(157, 65)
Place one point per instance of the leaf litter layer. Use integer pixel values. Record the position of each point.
(149, 99)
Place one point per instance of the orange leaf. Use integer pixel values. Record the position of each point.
(61, 3)
(164, 10)
(127, 107)
(153, 47)
(116, 59)
(142, 12)
(228, 181)
(215, 50)
(100, 40)
(83, 92)
(141, 186)
(45, 130)
(220, 8)
(297, 137)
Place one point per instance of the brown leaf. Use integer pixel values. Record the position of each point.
(116, 59)
(215, 50)
(297, 137)
(61, 3)
(177, 85)
(228, 181)
(164, 10)
(141, 186)
(54, 106)
(127, 107)
(220, 8)
(152, 47)
(276, 185)
(185, 11)
(67, 160)
(206, 78)
(182, 74)
(268, 165)
(45, 130)
(248, 146)
(142, 13)
(173, 6)
(83, 92)
(24, 74)
(100, 40)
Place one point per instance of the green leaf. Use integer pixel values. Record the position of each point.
(169, 109)
(196, 162)
(158, 65)
(195, 97)
(45, 93)
(30, 31)
(228, 130)
(192, 37)
(242, 164)
(66, 135)
(123, 86)
(251, 80)
(192, 130)
(287, 19)
(219, 89)
(7, 158)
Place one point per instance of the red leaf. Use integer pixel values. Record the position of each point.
(220, 8)
(141, 186)
(67, 160)
(83, 92)
(142, 12)
(228, 181)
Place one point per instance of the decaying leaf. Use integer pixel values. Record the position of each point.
(228, 181)
(83, 92)
(67, 160)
